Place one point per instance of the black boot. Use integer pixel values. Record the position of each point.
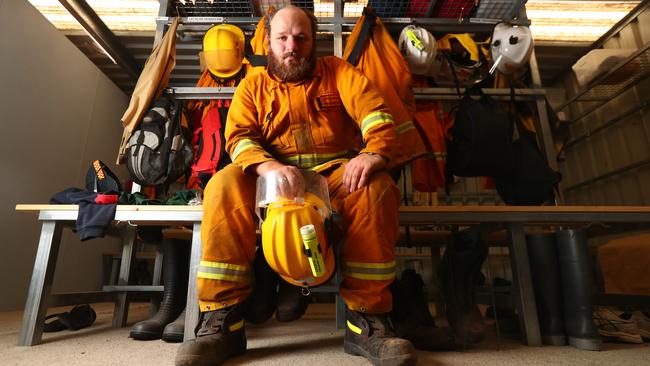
(577, 289)
(220, 335)
(411, 316)
(261, 303)
(545, 271)
(460, 274)
(174, 332)
(372, 336)
(175, 275)
(292, 303)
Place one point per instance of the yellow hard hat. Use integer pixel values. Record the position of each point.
(295, 243)
(223, 50)
(470, 50)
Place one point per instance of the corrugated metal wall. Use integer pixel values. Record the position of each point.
(607, 160)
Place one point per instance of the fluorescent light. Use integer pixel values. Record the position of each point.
(553, 20)
(123, 15)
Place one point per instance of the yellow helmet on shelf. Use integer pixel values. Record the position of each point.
(223, 50)
(290, 246)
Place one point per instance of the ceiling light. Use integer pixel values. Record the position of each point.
(553, 20)
(123, 15)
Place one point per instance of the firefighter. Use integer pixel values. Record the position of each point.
(302, 112)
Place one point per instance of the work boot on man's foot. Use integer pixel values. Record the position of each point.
(220, 336)
(372, 336)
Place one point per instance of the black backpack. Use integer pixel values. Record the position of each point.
(158, 152)
(481, 138)
(532, 181)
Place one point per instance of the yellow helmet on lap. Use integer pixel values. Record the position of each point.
(294, 241)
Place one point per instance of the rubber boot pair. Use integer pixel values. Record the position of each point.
(168, 323)
(411, 317)
(563, 289)
(460, 275)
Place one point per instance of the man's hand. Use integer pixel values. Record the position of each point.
(290, 181)
(358, 170)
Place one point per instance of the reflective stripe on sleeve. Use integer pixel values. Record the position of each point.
(244, 145)
(374, 119)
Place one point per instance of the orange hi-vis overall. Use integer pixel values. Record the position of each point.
(318, 124)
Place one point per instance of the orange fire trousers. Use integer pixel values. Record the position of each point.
(369, 218)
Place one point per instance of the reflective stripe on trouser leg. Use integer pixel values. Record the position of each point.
(225, 273)
(371, 222)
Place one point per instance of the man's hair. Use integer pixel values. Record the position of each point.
(309, 14)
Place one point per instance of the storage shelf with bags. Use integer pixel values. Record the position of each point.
(635, 69)
(337, 17)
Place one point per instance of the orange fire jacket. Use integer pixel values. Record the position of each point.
(382, 62)
(312, 124)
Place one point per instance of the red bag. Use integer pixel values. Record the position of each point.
(211, 155)
(453, 8)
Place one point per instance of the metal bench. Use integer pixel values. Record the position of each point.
(512, 218)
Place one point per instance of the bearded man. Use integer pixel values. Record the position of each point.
(302, 112)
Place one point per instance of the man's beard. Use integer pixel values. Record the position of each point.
(299, 70)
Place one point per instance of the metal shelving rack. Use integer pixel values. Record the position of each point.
(603, 89)
(199, 15)
(628, 73)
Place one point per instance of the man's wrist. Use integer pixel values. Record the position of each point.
(375, 154)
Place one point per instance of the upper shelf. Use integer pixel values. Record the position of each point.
(434, 14)
(635, 68)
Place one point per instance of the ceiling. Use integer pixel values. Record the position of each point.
(554, 58)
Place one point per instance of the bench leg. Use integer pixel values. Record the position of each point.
(40, 285)
(121, 311)
(523, 286)
(192, 307)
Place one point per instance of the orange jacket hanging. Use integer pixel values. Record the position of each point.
(382, 63)
(428, 172)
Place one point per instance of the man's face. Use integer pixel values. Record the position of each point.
(291, 47)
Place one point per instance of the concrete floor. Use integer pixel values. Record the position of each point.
(312, 340)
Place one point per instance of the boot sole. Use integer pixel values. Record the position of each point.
(173, 337)
(588, 344)
(145, 336)
(201, 360)
(355, 350)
